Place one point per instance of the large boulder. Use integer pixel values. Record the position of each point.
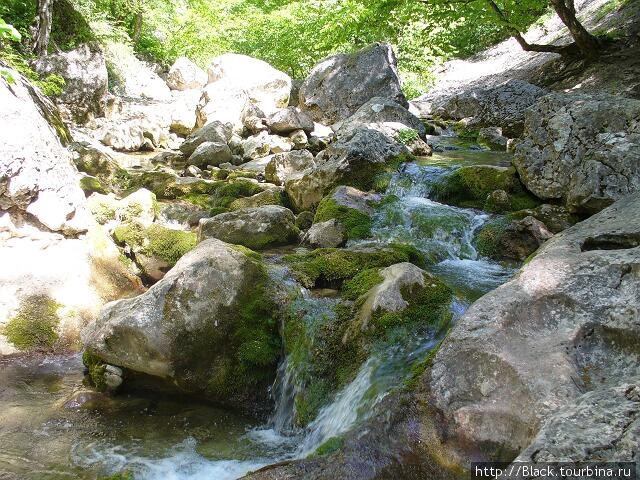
(340, 84)
(566, 324)
(37, 176)
(503, 106)
(234, 81)
(84, 70)
(210, 153)
(183, 111)
(351, 161)
(254, 227)
(186, 75)
(381, 114)
(583, 150)
(206, 328)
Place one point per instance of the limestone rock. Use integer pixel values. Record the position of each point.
(212, 132)
(256, 228)
(287, 120)
(210, 153)
(581, 149)
(329, 234)
(193, 331)
(286, 166)
(342, 83)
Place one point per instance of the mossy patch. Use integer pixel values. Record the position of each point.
(96, 368)
(331, 266)
(471, 185)
(361, 283)
(357, 223)
(126, 475)
(156, 241)
(90, 185)
(330, 446)
(34, 327)
(488, 238)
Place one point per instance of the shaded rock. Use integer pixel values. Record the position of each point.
(94, 160)
(340, 84)
(555, 218)
(256, 228)
(212, 132)
(286, 166)
(210, 153)
(304, 220)
(234, 81)
(190, 334)
(581, 149)
(84, 70)
(186, 75)
(351, 161)
(503, 106)
(287, 120)
(182, 215)
(492, 137)
(328, 234)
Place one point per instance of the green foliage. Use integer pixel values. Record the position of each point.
(357, 223)
(156, 241)
(96, 368)
(34, 325)
(407, 135)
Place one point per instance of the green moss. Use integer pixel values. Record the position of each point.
(126, 475)
(331, 266)
(464, 132)
(156, 241)
(96, 368)
(304, 220)
(248, 252)
(381, 182)
(427, 306)
(360, 284)
(357, 223)
(92, 184)
(267, 197)
(34, 325)
(488, 237)
(329, 446)
(202, 200)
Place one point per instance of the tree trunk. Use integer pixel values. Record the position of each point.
(43, 27)
(587, 43)
(137, 28)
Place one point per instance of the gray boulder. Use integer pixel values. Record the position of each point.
(210, 153)
(256, 228)
(492, 137)
(566, 324)
(351, 161)
(84, 70)
(340, 84)
(502, 106)
(287, 166)
(186, 75)
(583, 150)
(192, 330)
(381, 114)
(329, 234)
(212, 132)
(288, 120)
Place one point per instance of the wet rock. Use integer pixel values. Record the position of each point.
(351, 207)
(328, 234)
(256, 228)
(188, 333)
(583, 150)
(186, 75)
(340, 84)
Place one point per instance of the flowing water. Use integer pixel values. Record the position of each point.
(52, 428)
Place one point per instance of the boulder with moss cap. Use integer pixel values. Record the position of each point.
(206, 328)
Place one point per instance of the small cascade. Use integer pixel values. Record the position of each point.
(284, 393)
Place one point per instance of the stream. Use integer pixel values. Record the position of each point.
(53, 428)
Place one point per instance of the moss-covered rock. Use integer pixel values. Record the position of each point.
(272, 196)
(190, 334)
(506, 239)
(351, 207)
(90, 185)
(332, 266)
(140, 206)
(34, 326)
(471, 186)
